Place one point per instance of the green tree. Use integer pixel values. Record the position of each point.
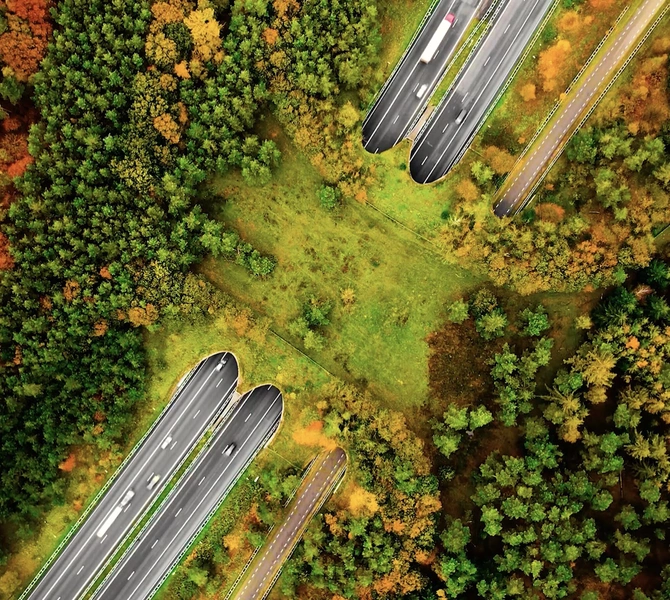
(535, 322)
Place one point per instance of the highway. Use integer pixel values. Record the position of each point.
(322, 478)
(184, 513)
(397, 107)
(454, 123)
(170, 440)
(578, 104)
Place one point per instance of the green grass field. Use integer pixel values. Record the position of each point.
(401, 285)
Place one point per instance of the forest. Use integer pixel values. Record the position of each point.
(174, 170)
(137, 102)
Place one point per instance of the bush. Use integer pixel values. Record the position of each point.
(313, 340)
(329, 197)
(259, 265)
(315, 312)
(11, 90)
(458, 312)
(482, 302)
(492, 325)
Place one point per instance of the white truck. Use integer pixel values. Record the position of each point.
(107, 523)
(438, 36)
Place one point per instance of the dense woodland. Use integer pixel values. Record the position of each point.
(113, 117)
(578, 509)
(137, 103)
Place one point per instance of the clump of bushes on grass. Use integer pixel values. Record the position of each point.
(329, 197)
(230, 246)
(315, 315)
(490, 319)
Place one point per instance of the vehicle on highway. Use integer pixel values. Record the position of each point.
(422, 90)
(153, 481)
(107, 523)
(166, 442)
(461, 116)
(127, 497)
(436, 40)
(220, 365)
(229, 449)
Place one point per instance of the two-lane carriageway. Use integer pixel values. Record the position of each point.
(454, 123)
(317, 486)
(184, 513)
(399, 104)
(156, 459)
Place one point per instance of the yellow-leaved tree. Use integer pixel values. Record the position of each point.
(206, 34)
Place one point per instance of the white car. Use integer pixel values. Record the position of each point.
(220, 365)
(166, 442)
(127, 498)
(422, 91)
(229, 449)
(153, 481)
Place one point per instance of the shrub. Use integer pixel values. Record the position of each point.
(458, 312)
(316, 311)
(492, 325)
(482, 302)
(329, 197)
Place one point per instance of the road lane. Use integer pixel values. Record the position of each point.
(537, 160)
(398, 106)
(194, 499)
(317, 486)
(455, 122)
(169, 442)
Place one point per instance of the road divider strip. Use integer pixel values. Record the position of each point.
(498, 5)
(146, 517)
(169, 497)
(478, 32)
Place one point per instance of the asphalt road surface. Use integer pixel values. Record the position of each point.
(192, 410)
(397, 107)
(314, 491)
(176, 524)
(580, 100)
(450, 129)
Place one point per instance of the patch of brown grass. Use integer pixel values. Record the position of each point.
(458, 367)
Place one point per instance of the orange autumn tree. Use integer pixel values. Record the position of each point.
(26, 29)
(24, 42)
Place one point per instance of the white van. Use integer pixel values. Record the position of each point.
(422, 91)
